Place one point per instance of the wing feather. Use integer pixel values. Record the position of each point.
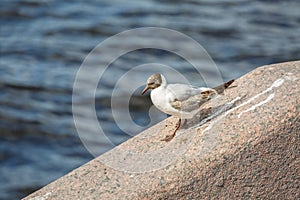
(192, 100)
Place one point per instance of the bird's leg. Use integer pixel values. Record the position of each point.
(170, 137)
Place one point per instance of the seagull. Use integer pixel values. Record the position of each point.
(179, 100)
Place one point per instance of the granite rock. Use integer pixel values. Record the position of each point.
(243, 145)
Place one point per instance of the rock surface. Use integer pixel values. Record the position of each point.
(243, 145)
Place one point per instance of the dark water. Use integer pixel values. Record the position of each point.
(43, 44)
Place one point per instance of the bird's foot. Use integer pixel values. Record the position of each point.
(168, 138)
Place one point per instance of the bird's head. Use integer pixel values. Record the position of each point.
(154, 81)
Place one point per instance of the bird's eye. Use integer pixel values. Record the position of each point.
(152, 83)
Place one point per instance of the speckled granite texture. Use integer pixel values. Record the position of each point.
(244, 145)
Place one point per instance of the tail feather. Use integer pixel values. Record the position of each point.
(220, 89)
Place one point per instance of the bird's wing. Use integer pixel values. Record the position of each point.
(181, 91)
(186, 98)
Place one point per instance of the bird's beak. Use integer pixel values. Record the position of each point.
(145, 90)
